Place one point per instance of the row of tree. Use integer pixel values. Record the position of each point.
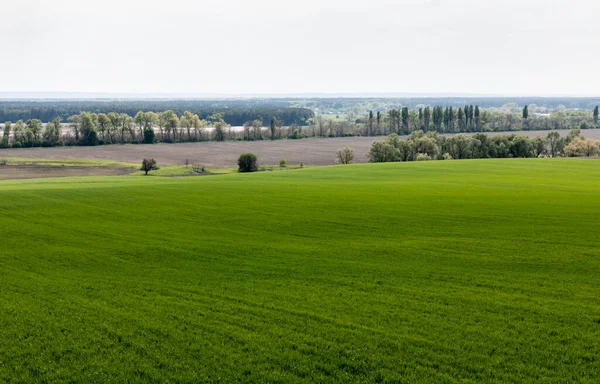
(145, 127)
(473, 119)
(420, 145)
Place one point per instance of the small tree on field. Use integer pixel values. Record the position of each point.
(247, 162)
(282, 162)
(346, 155)
(149, 165)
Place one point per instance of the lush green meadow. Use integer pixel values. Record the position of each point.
(447, 271)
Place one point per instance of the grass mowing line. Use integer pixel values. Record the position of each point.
(460, 271)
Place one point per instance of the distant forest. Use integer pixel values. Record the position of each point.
(287, 110)
(234, 112)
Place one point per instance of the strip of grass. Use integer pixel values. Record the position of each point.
(459, 271)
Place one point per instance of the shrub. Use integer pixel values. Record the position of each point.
(345, 156)
(423, 157)
(447, 156)
(198, 168)
(282, 162)
(301, 164)
(3, 161)
(17, 144)
(247, 162)
(149, 165)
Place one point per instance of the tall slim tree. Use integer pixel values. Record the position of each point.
(471, 114)
(370, 126)
(477, 117)
(405, 116)
(426, 118)
(378, 122)
(596, 115)
(273, 128)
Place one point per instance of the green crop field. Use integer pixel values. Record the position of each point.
(437, 272)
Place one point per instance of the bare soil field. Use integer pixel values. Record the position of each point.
(225, 154)
(35, 171)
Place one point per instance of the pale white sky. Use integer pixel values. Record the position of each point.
(309, 46)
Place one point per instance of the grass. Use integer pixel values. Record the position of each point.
(447, 271)
(63, 162)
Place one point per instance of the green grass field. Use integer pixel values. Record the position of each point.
(440, 272)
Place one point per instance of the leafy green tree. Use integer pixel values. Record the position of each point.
(247, 162)
(149, 165)
(103, 125)
(521, 147)
(89, 136)
(370, 126)
(525, 112)
(6, 134)
(345, 156)
(34, 130)
(126, 122)
(148, 135)
(555, 143)
(115, 124)
(383, 152)
(256, 129)
(138, 120)
(595, 115)
(53, 132)
(539, 146)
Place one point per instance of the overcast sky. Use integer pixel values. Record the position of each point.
(533, 47)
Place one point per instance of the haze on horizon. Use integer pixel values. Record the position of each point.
(496, 47)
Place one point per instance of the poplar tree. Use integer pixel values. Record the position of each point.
(405, 118)
(273, 128)
(596, 115)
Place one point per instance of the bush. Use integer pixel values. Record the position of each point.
(196, 168)
(3, 161)
(16, 144)
(247, 162)
(282, 162)
(149, 165)
(345, 156)
(423, 157)
(447, 156)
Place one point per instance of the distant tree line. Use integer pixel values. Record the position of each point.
(420, 146)
(475, 119)
(357, 105)
(233, 112)
(88, 128)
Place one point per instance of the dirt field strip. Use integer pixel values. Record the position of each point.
(225, 154)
